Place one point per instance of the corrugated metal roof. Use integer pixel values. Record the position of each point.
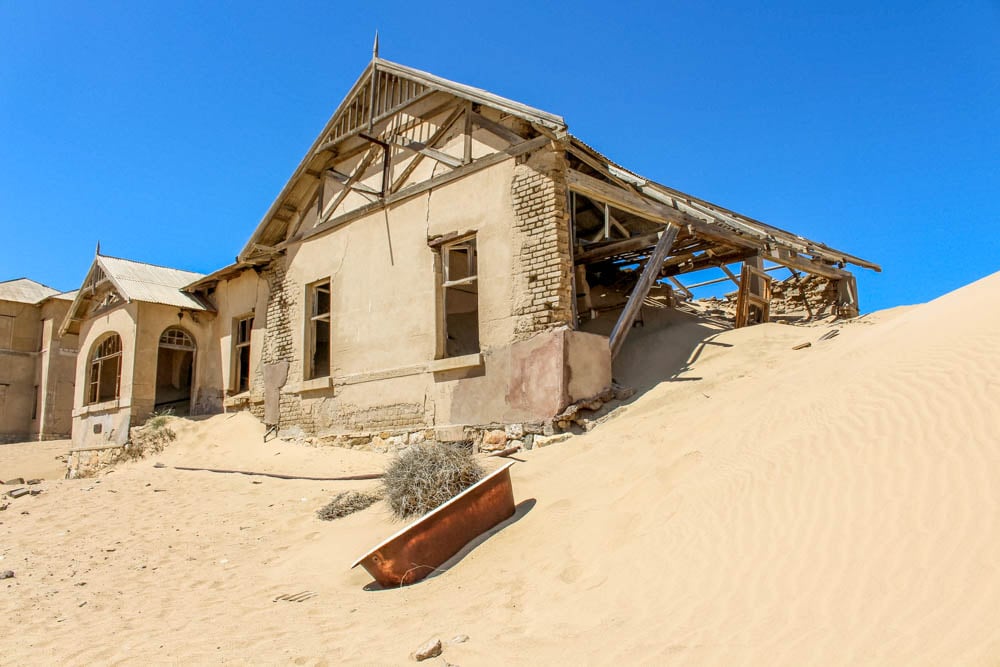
(25, 290)
(150, 283)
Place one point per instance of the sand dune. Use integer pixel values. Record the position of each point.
(832, 505)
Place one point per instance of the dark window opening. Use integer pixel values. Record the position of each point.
(244, 326)
(460, 297)
(319, 333)
(105, 370)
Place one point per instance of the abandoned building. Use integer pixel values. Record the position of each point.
(442, 257)
(37, 364)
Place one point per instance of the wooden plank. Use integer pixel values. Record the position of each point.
(499, 130)
(358, 173)
(424, 149)
(638, 205)
(679, 285)
(467, 133)
(464, 170)
(618, 247)
(440, 132)
(730, 274)
(649, 275)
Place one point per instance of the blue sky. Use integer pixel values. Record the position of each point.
(165, 131)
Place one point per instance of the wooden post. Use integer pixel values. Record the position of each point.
(649, 275)
(847, 297)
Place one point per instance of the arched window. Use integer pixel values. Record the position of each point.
(176, 338)
(105, 370)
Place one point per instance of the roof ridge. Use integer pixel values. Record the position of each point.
(158, 266)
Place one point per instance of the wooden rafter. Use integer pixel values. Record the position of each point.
(650, 273)
(359, 171)
(434, 139)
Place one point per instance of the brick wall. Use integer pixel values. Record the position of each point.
(284, 311)
(542, 284)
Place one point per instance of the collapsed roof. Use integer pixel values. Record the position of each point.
(710, 234)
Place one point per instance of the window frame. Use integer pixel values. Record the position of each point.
(96, 363)
(312, 318)
(446, 283)
(238, 346)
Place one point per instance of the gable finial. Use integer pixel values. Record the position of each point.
(375, 47)
(98, 251)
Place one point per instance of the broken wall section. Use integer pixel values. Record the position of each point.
(542, 284)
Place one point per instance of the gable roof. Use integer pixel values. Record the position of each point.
(383, 89)
(25, 290)
(136, 281)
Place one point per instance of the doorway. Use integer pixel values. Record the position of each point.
(174, 371)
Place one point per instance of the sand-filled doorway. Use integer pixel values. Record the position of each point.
(174, 371)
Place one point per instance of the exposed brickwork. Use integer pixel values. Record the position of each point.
(284, 309)
(394, 416)
(542, 281)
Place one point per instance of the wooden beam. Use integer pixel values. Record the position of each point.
(791, 260)
(499, 130)
(440, 132)
(358, 173)
(424, 149)
(679, 285)
(618, 247)
(635, 204)
(649, 275)
(464, 170)
(467, 133)
(730, 274)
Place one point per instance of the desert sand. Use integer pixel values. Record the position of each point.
(753, 504)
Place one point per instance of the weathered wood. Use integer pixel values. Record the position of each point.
(359, 171)
(424, 149)
(649, 275)
(635, 204)
(499, 130)
(680, 286)
(440, 132)
(730, 274)
(406, 193)
(616, 248)
(755, 290)
(467, 134)
(794, 261)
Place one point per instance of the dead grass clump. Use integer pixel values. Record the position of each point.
(151, 438)
(347, 503)
(427, 475)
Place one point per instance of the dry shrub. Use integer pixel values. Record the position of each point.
(346, 503)
(427, 475)
(150, 438)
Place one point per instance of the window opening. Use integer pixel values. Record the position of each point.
(105, 370)
(319, 324)
(460, 297)
(244, 326)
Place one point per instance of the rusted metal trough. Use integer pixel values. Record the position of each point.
(419, 548)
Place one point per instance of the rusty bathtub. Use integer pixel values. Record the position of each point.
(423, 545)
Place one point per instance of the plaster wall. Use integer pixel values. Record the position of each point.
(106, 422)
(153, 320)
(386, 370)
(57, 371)
(19, 344)
(234, 298)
